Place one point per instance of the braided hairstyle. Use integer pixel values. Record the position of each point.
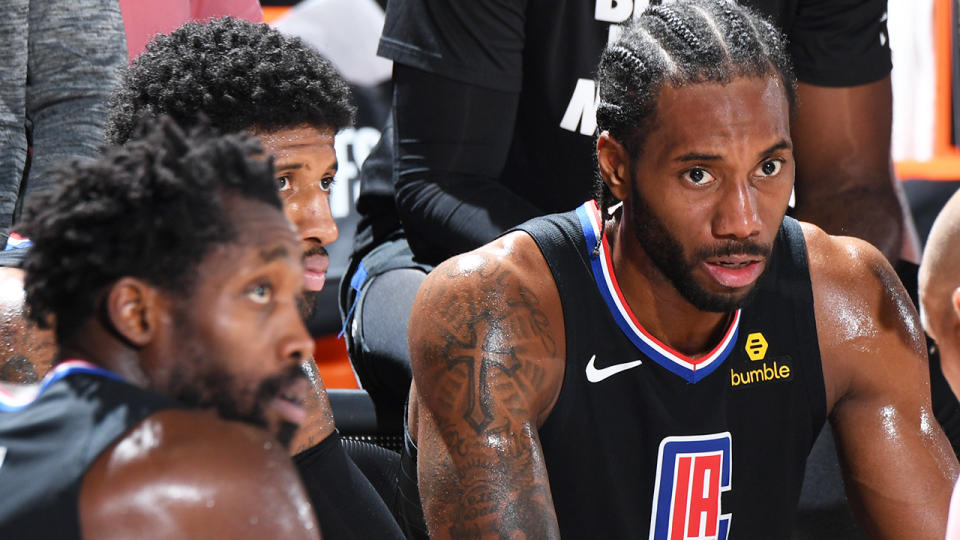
(242, 76)
(685, 42)
(152, 209)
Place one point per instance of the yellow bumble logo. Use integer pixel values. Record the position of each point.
(756, 346)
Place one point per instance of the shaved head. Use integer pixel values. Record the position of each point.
(939, 281)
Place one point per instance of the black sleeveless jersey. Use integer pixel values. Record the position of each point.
(50, 438)
(645, 442)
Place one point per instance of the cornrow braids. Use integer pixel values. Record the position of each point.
(684, 42)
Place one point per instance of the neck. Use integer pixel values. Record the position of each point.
(106, 352)
(656, 303)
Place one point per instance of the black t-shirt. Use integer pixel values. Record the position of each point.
(536, 60)
(832, 42)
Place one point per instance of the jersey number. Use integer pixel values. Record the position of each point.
(692, 472)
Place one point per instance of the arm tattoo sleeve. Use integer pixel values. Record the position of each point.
(480, 376)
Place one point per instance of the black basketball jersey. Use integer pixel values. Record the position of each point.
(645, 442)
(49, 438)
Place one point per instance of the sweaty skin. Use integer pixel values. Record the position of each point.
(898, 465)
(162, 479)
(27, 351)
(305, 163)
(487, 361)
(487, 332)
(121, 496)
(318, 423)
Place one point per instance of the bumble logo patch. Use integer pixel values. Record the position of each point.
(756, 346)
(779, 370)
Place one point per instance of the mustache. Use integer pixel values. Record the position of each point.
(315, 249)
(732, 247)
(276, 385)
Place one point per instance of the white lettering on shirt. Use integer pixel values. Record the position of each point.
(352, 145)
(582, 109)
(613, 11)
(581, 113)
(618, 11)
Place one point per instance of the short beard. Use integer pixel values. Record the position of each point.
(307, 304)
(198, 383)
(667, 254)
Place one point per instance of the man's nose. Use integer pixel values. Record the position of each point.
(296, 345)
(309, 211)
(737, 215)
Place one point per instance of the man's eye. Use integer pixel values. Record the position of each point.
(769, 168)
(260, 293)
(326, 183)
(697, 176)
(283, 183)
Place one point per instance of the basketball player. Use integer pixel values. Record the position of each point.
(463, 178)
(125, 250)
(247, 77)
(658, 364)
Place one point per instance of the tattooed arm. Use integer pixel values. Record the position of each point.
(486, 346)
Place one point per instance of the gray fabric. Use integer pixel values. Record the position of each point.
(58, 66)
(379, 342)
(376, 314)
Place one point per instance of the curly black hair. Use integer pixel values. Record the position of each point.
(688, 41)
(242, 76)
(151, 209)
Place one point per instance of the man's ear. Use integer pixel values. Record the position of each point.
(614, 165)
(955, 304)
(133, 308)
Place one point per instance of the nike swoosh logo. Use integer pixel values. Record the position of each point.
(597, 375)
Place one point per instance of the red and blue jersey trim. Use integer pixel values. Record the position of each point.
(10, 402)
(15, 241)
(691, 369)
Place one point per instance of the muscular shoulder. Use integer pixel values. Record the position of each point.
(514, 257)
(861, 309)
(495, 307)
(187, 473)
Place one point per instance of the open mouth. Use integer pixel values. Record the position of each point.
(289, 404)
(315, 271)
(735, 271)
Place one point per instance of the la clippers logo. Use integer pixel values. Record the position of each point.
(692, 473)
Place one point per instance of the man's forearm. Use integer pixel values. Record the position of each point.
(466, 212)
(872, 214)
(478, 491)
